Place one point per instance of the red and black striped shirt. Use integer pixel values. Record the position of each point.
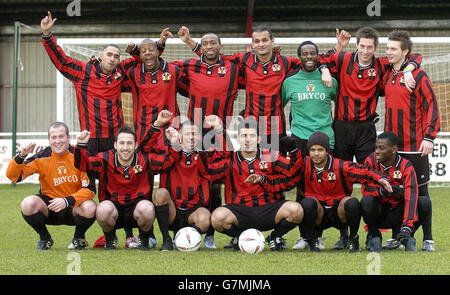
(401, 173)
(154, 92)
(98, 95)
(212, 88)
(233, 170)
(123, 184)
(336, 180)
(413, 116)
(359, 86)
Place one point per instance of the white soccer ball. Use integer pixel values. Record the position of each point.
(188, 239)
(251, 241)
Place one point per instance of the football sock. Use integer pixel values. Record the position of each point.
(307, 227)
(353, 213)
(283, 227)
(232, 231)
(128, 232)
(369, 212)
(144, 234)
(37, 222)
(82, 224)
(162, 215)
(196, 228)
(109, 236)
(215, 202)
(424, 208)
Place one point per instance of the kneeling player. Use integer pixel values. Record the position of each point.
(397, 210)
(66, 192)
(184, 193)
(254, 189)
(328, 187)
(125, 177)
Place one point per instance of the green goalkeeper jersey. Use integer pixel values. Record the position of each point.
(310, 104)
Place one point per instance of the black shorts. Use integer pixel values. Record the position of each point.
(126, 211)
(354, 139)
(421, 165)
(64, 216)
(391, 217)
(261, 218)
(98, 145)
(181, 218)
(331, 217)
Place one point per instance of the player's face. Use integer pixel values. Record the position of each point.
(189, 137)
(110, 58)
(318, 155)
(394, 52)
(308, 57)
(58, 139)
(248, 139)
(211, 48)
(262, 43)
(125, 146)
(384, 151)
(149, 55)
(366, 49)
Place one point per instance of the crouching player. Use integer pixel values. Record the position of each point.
(66, 193)
(397, 210)
(254, 188)
(328, 187)
(184, 193)
(125, 177)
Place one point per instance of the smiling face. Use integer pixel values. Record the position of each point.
(189, 137)
(211, 47)
(366, 50)
(262, 43)
(308, 57)
(385, 151)
(394, 52)
(58, 139)
(149, 53)
(109, 59)
(125, 145)
(318, 155)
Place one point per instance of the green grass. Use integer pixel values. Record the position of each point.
(19, 256)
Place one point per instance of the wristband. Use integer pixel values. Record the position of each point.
(406, 71)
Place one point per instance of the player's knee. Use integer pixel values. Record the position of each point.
(368, 204)
(87, 209)
(218, 218)
(161, 197)
(104, 210)
(295, 212)
(30, 205)
(309, 205)
(145, 209)
(352, 207)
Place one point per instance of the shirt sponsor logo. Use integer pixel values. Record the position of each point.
(311, 95)
(65, 179)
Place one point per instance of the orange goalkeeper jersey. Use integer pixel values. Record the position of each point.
(58, 176)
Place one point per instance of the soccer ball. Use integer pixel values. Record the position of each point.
(251, 241)
(188, 239)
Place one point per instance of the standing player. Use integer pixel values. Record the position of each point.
(180, 203)
(413, 116)
(311, 105)
(254, 188)
(125, 182)
(66, 193)
(359, 75)
(328, 187)
(398, 209)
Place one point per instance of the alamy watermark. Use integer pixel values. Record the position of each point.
(74, 8)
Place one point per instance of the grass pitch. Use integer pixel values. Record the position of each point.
(19, 255)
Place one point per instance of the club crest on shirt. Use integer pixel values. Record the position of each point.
(62, 170)
(263, 165)
(166, 76)
(397, 175)
(276, 68)
(372, 73)
(137, 169)
(222, 71)
(310, 87)
(331, 176)
(117, 75)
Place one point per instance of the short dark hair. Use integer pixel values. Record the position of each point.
(125, 129)
(111, 45)
(59, 124)
(367, 33)
(404, 39)
(263, 29)
(147, 40)
(390, 136)
(214, 34)
(299, 49)
(248, 123)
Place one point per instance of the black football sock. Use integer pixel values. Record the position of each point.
(82, 224)
(424, 208)
(215, 202)
(145, 234)
(308, 226)
(369, 212)
(233, 231)
(37, 221)
(283, 227)
(196, 228)
(128, 232)
(353, 214)
(162, 215)
(110, 235)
